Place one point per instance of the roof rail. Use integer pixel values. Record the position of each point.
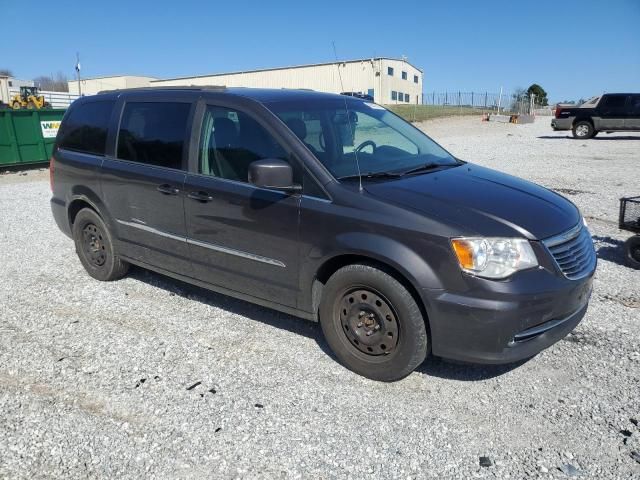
(166, 87)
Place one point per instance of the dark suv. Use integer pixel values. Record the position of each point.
(611, 112)
(326, 207)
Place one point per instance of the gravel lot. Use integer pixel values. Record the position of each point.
(149, 377)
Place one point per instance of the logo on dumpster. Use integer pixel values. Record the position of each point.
(50, 128)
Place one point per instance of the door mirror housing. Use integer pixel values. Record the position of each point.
(273, 173)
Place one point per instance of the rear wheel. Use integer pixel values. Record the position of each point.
(632, 252)
(94, 247)
(372, 323)
(583, 130)
(16, 105)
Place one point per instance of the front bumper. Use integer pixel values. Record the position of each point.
(504, 322)
(562, 123)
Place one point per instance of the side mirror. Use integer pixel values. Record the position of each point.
(273, 173)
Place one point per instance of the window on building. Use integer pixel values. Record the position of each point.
(390, 71)
(406, 97)
(10, 83)
(153, 133)
(85, 128)
(400, 96)
(404, 75)
(394, 95)
(415, 79)
(231, 140)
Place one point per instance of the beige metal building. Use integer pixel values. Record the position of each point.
(91, 86)
(388, 80)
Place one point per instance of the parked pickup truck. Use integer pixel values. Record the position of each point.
(611, 112)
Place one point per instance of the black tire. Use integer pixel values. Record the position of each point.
(632, 252)
(595, 132)
(94, 246)
(583, 130)
(378, 309)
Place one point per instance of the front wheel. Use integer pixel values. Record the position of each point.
(583, 130)
(372, 323)
(94, 247)
(632, 252)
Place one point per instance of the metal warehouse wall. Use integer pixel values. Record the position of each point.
(91, 86)
(357, 76)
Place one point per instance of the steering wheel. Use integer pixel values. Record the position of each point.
(366, 143)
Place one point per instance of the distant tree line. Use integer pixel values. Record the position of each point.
(57, 83)
(534, 89)
(51, 83)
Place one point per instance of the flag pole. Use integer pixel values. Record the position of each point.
(78, 70)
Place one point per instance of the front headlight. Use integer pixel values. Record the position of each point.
(493, 257)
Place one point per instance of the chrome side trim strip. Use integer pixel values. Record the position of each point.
(210, 246)
(146, 228)
(237, 253)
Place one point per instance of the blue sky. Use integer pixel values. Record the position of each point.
(572, 48)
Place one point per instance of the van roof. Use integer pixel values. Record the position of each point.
(262, 95)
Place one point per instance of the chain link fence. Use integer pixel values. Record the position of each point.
(485, 102)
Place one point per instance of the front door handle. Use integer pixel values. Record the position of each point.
(200, 196)
(167, 189)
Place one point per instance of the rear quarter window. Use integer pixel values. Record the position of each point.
(85, 127)
(153, 133)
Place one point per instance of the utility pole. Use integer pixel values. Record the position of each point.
(78, 71)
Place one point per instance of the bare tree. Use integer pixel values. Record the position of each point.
(6, 72)
(51, 83)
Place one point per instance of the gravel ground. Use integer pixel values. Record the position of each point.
(149, 377)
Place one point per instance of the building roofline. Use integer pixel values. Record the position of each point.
(112, 76)
(238, 72)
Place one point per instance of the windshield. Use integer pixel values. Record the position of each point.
(383, 142)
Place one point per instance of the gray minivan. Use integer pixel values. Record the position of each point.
(327, 207)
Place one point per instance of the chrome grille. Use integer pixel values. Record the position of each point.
(573, 252)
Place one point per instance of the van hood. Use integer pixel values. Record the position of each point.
(481, 201)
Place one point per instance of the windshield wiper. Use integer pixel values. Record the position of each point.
(372, 175)
(424, 168)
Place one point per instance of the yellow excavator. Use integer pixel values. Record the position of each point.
(28, 98)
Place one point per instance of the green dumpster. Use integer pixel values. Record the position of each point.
(27, 136)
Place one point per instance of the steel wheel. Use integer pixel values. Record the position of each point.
(368, 322)
(93, 244)
(95, 247)
(372, 323)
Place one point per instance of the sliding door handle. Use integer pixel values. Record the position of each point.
(167, 189)
(200, 196)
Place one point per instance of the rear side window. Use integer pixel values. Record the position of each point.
(635, 104)
(153, 133)
(85, 127)
(614, 101)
